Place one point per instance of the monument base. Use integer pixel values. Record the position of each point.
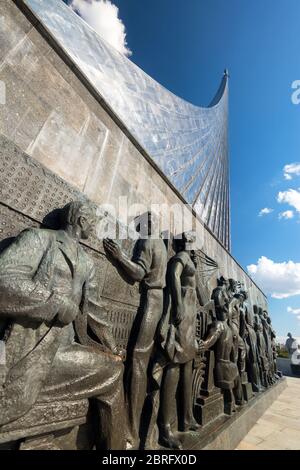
(208, 408)
(247, 391)
(227, 432)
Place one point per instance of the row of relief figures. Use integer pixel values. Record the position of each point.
(192, 355)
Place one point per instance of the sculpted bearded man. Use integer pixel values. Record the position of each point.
(45, 280)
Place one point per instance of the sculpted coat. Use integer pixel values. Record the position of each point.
(45, 277)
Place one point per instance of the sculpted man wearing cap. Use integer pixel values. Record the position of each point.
(45, 281)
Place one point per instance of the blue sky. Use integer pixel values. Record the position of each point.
(185, 46)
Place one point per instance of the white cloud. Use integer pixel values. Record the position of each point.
(280, 280)
(286, 215)
(295, 311)
(293, 169)
(103, 17)
(265, 211)
(291, 197)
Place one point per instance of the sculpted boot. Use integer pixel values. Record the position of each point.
(168, 439)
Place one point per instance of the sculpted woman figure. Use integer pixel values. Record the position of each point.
(180, 343)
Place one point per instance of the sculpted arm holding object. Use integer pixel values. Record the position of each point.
(214, 334)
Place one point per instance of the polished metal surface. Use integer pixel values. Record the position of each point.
(187, 142)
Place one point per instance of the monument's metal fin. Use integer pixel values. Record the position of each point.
(188, 143)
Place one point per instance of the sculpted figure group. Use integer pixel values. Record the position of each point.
(47, 282)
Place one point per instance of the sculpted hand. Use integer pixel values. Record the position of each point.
(112, 248)
(201, 345)
(179, 315)
(120, 353)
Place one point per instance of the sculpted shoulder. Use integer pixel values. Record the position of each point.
(34, 237)
(151, 244)
(220, 326)
(183, 257)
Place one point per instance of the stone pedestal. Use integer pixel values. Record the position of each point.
(208, 408)
(247, 391)
(210, 403)
(226, 432)
(43, 421)
(247, 387)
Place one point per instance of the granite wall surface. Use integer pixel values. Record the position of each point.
(58, 141)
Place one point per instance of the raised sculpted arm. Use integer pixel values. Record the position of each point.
(134, 270)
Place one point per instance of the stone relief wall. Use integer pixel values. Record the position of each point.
(28, 193)
(114, 302)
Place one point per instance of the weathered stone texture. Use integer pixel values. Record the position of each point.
(52, 117)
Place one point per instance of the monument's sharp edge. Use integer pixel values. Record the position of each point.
(187, 142)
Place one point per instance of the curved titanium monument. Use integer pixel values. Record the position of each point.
(187, 142)
(151, 342)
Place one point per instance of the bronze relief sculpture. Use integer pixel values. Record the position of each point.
(45, 281)
(180, 334)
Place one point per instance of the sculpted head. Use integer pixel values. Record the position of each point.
(244, 294)
(145, 224)
(260, 312)
(78, 217)
(184, 241)
(233, 285)
(222, 282)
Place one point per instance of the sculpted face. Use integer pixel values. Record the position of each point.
(179, 243)
(233, 286)
(144, 224)
(222, 313)
(78, 219)
(86, 223)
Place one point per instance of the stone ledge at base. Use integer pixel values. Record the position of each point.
(45, 418)
(228, 431)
